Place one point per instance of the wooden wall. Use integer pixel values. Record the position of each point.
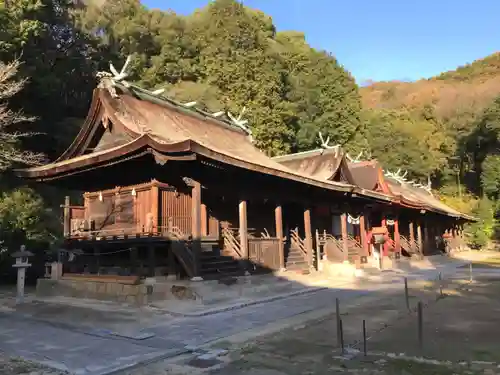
(176, 205)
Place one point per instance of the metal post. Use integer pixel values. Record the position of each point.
(470, 272)
(420, 326)
(341, 336)
(440, 277)
(337, 311)
(364, 338)
(407, 296)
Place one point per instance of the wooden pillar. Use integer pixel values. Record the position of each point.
(155, 202)
(419, 237)
(66, 217)
(86, 206)
(397, 238)
(412, 232)
(278, 215)
(308, 233)
(345, 244)
(196, 226)
(204, 220)
(362, 234)
(242, 208)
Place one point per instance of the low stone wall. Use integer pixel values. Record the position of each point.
(112, 291)
(104, 291)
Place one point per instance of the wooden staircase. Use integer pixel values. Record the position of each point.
(296, 254)
(410, 247)
(216, 264)
(354, 249)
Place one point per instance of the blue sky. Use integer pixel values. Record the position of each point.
(384, 39)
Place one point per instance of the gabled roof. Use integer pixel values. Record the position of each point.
(323, 164)
(164, 128)
(368, 176)
(328, 164)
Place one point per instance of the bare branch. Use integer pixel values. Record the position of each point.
(10, 136)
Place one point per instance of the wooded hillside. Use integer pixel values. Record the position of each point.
(228, 57)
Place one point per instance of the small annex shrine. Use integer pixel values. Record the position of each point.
(415, 221)
(172, 191)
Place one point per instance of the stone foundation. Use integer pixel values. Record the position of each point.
(141, 294)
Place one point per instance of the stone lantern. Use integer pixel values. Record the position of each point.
(21, 264)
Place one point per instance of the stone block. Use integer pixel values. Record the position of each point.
(127, 290)
(143, 289)
(56, 270)
(117, 288)
(101, 288)
(46, 287)
(92, 287)
(109, 288)
(131, 300)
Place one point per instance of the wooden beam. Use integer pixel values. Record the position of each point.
(345, 244)
(196, 226)
(308, 233)
(278, 214)
(243, 221)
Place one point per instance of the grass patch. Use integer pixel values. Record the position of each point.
(403, 366)
(491, 262)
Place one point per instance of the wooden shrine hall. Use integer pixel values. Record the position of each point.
(171, 190)
(414, 221)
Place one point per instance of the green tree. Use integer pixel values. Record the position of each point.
(400, 140)
(490, 176)
(324, 95)
(482, 231)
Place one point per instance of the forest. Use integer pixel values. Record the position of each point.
(227, 56)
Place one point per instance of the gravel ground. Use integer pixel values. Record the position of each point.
(17, 366)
